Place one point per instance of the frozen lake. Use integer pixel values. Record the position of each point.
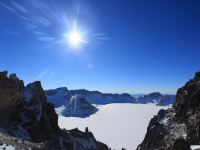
(117, 125)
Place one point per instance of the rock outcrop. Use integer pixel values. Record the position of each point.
(27, 120)
(79, 106)
(178, 127)
(9, 93)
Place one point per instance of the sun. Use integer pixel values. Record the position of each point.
(75, 38)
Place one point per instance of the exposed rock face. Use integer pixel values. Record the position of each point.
(9, 93)
(181, 144)
(178, 127)
(79, 107)
(31, 122)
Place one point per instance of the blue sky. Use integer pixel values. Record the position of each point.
(134, 46)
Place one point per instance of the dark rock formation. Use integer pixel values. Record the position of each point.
(176, 128)
(181, 144)
(27, 120)
(9, 93)
(79, 106)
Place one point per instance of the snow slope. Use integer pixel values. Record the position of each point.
(117, 125)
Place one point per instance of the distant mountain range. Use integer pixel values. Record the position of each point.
(157, 99)
(65, 99)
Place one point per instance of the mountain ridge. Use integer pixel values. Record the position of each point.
(176, 128)
(60, 95)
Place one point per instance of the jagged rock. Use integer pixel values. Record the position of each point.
(188, 97)
(181, 144)
(3, 75)
(9, 93)
(178, 127)
(17, 80)
(28, 121)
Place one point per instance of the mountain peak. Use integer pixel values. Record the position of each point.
(188, 97)
(177, 127)
(26, 115)
(197, 75)
(155, 94)
(3, 75)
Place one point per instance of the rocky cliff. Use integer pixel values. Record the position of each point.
(176, 128)
(27, 120)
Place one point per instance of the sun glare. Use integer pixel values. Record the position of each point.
(74, 38)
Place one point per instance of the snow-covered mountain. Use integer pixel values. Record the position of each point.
(79, 103)
(57, 96)
(61, 96)
(157, 99)
(78, 106)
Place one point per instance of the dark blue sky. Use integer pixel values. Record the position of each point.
(135, 46)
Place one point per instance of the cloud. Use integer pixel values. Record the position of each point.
(19, 7)
(40, 33)
(46, 38)
(43, 21)
(47, 21)
(7, 7)
(104, 38)
(30, 26)
(99, 38)
(99, 34)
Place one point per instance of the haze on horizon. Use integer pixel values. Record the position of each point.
(112, 46)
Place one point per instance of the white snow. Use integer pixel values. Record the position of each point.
(60, 110)
(117, 125)
(58, 99)
(195, 147)
(6, 147)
